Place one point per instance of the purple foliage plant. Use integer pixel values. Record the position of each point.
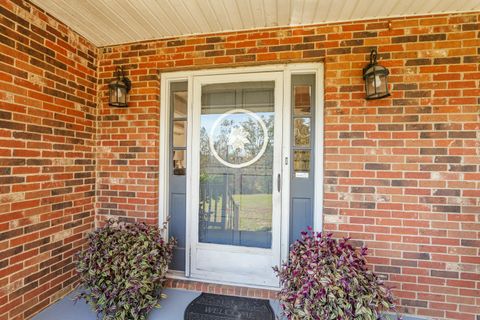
(325, 278)
(122, 271)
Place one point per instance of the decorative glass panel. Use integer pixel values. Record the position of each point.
(179, 133)
(302, 98)
(301, 127)
(236, 164)
(301, 160)
(177, 184)
(180, 104)
(179, 162)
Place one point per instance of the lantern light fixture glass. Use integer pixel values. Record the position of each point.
(118, 89)
(375, 77)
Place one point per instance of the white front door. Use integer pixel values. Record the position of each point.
(235, 198)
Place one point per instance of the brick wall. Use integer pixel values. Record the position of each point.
(128, 138)
(47, 164)
(401, 174)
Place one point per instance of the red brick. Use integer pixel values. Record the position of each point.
(39, 96)
(381, 157)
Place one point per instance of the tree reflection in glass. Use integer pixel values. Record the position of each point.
(236, 165)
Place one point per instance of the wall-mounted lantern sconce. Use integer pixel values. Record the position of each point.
(118, 89)
(375, 77)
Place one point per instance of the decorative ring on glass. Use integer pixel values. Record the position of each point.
(254, 159)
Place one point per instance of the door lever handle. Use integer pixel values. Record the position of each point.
(279, 182)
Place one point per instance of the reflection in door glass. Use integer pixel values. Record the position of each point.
(179, 162)
(301, 132)
(302, 97)
(179, 133)
(180, 104)
(301, 160)
(236, 164)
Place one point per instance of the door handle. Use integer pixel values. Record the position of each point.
(279, 182)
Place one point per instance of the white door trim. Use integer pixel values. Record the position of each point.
(164, 161)
(200, 252)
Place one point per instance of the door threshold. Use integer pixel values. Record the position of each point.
(178, 280)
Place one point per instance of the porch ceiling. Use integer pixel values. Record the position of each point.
(108, 22)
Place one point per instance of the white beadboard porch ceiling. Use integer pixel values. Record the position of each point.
(109, 22)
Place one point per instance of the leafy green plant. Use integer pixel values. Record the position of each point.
(122, 272)
(329, 279)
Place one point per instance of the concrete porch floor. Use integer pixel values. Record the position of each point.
(173, 307)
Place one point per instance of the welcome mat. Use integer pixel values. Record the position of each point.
(219, 307)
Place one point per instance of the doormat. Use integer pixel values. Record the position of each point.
(219, 307)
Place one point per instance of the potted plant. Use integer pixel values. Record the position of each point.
(122, 271)
(329, 279)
